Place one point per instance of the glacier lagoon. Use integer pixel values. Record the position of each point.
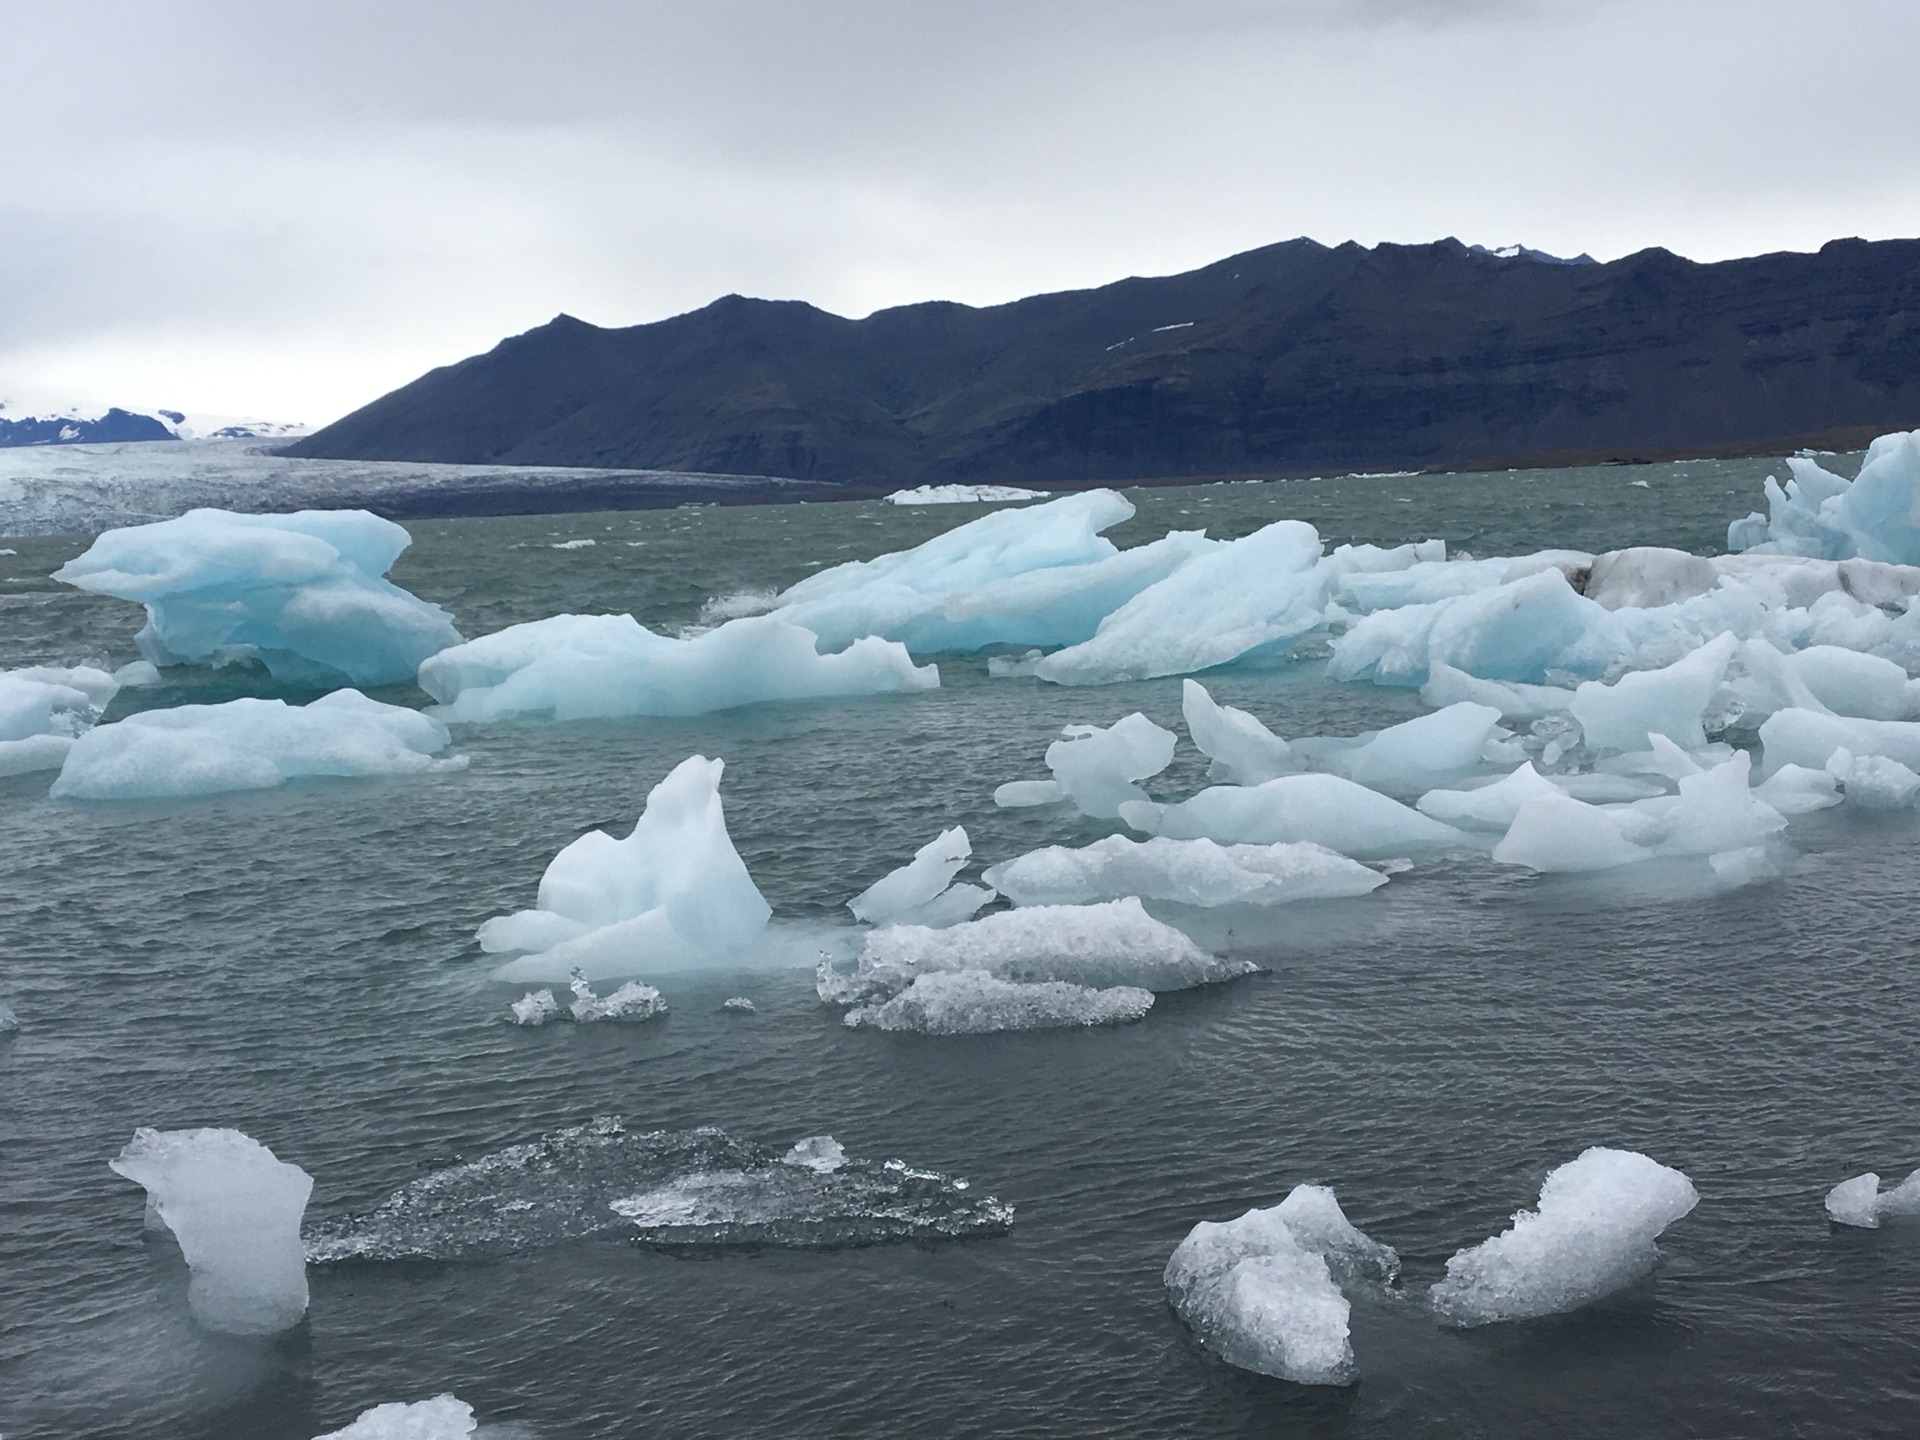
(300, 964)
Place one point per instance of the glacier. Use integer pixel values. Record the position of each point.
(235, 1210)
(190, 750)
(672, 895)
(304, 594)
(1264, 1291)
(578, 667)
(1592, 1233)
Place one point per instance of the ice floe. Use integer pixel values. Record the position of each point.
(973, 1002)
(697, 1187)
(235, 1211)
(1186, 872)
(250, 745)
(1096, 767)
(43, 708)
(441, 1418)
(1322, 809)
(922, 891)
(1264, 1291)
(963, 495)
(1592, 1233)
(1861, 1202)
(1243, 751)
(578, 667)
(672, 895)
(304, 594)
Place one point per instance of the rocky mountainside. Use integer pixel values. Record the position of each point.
(1296, 358)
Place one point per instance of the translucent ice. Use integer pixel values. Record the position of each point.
(922, 892)
(1243, 751)
(575, 667)
(1324, 809)
(1668, 701)
(1262, 1293)
(665, 1187)
(671, 895)
(1861, 1202)
(1876, 516)
(536, 1007)
(1188, 872)
(441, 1418)
(632, 1001)
(1251, 596)
(236, 1212)
(303, 593)
(1490, 807)
(249, 745)
(972, 1002)
(1414, 754)
(1096, 768)
(1591, 1234)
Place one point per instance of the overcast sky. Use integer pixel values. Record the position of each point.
(285, 209)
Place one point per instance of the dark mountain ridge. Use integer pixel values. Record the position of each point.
(1295, 358)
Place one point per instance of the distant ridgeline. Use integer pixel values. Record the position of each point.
(115, 425)
(1293, 359)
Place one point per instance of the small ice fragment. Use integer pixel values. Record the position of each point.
(821, 1154)
(571, 544)
(8, 1020)
(1592, 1233)
(1861, 1202)
(536, 1007)
(441, 1418)
(903, 896)
(1243, 751)
(1018, 794)
(236, 1212)
(737, 1005)
(632, 1001)
(1096, 767)
(1873, 782)
(138, 673)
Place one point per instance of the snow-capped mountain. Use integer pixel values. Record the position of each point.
(22, 424)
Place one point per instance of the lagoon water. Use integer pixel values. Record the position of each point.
(300, 965)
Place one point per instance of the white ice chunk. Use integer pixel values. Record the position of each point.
(821, 1154)
(1849, 683)
(1808, 738)
(1448, 686)
(1324, 809)
(1188, 872)
(1021, 794)
(973, 1002)
(236, 1212)
(1243, 751)
(1260, 1291)
(441, 1418)
(1416, 753)
(1876, 516)
(575, 667)
(250, 745)
(1096, 768)
(536, 1007)
(36, 752)
(922, 892)
(1873, 781)
(1254, 595)
(962, 495)
(1490, 807)
(1591, 1234)
(303, 593)
(1862, 1203)
(671, 895)
(1796, 790)
(42, 709)
(1669, 701)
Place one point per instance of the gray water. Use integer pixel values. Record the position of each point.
(300, 965)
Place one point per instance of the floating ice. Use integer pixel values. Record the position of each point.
(1489, 807)
(1862, 1203)
(921, 892)
(1188, 872)
(1243, 751)
(737, 1005)
(1810, 739)
(1099, 946)
(1324, 809)
(250, 745)
(302, 593)
(441, 1418)
(536, 1007)
(1261, 1291)
(672, 894)
(1667, 702)
(632, 1001)
(973, 1002)
(8, 1020)
(820, 1153)
(42, 709)
(1873, 781)
(1592, 1234)
(1448, 686)
(1644, 577)
(236, 1212)
(1255, 595)
(664, 1187)
(1849, 683)
(1414, 754)
(579, 667)
(963, 495)
(1096, 768)
(1876, 516)
(1796, 790)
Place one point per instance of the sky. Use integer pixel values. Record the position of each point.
(284, 210)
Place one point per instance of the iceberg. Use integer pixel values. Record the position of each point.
(1592, 1234)
(1642, 703)
(1811, 738)
(673, 894)
(236, 1212)
(1095, 768)
(250, 745)
(1187, 872)
(1243, 751)
(1254, 595)
(1414, 754)
(441, 1418)
(1489, 807)
(1875, 516)
(1850, 683)
(304, 593)
(667, 1188)
(1861, 1202)
(922, 891)
(42, 709)
(1448, 686)
(973, 1002)
(1646, 577)
(962, 495)
(581, 667)
(1323, 809)
(1263, 1291)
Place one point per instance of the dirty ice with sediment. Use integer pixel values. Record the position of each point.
(1105, 866)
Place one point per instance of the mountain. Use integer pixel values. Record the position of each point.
(1296, 358)
(95, 425)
